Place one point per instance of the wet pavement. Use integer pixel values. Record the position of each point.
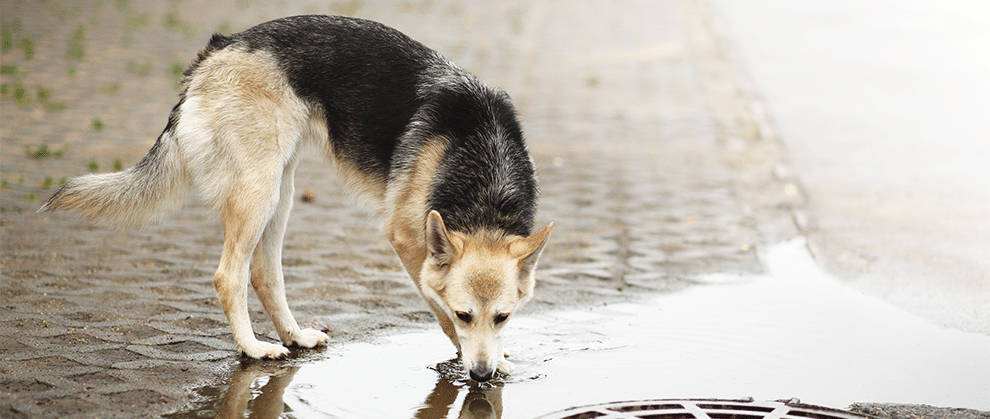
(652, 161)
(882, 108)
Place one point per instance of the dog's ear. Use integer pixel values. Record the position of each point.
(439, 249)
(528, 250)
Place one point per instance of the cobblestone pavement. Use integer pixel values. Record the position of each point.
(654, 163)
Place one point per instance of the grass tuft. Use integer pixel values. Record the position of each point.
(43, 152)
(6, 38)
(27, 45)
(175, 71)
(75, 49)
(21, 96)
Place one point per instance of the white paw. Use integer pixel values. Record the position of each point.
(308, 338)
(505, 367)
(259, 350)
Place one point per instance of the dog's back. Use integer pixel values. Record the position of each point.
(361, 75)
(384, 96)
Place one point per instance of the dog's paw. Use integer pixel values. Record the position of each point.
(505, 367)
(308, 338)
(264, 350)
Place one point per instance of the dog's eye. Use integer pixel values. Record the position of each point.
(464, 317)
(501, 317)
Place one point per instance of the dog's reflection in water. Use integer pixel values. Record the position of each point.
(239, 398)
(483, 401)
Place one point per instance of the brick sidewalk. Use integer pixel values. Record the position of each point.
(650, 161)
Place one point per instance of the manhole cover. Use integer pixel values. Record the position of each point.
(703, 409)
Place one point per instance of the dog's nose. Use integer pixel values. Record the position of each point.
(482, 374)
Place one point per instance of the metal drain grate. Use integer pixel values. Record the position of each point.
(703, 409)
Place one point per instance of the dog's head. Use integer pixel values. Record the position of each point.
(479, 281)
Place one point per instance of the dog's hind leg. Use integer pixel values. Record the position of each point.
(266, 271)
(245, 214)
(242, 124)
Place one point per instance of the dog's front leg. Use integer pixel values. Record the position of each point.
(503, 366)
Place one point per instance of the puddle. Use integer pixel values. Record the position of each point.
(792, 333)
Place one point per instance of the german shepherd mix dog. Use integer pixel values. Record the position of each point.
(435, 152)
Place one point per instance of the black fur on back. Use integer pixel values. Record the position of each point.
(363, 74)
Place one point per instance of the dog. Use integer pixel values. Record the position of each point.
(436, 153)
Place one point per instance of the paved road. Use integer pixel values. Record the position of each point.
(883, 109)
(652, 161)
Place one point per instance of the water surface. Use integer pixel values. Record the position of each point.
(794, 332)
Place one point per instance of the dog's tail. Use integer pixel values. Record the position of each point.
(141, 194)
